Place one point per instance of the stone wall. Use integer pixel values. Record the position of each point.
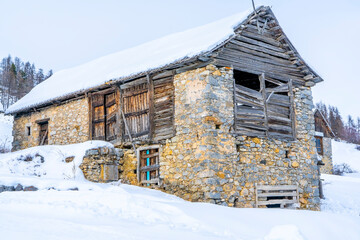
(205, 162)
(69, 123)
(101, 164)
(327, 157)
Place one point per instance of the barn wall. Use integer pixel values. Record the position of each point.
(327, 157)
(206, 162)
(69, 123)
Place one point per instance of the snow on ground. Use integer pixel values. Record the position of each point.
(6, 124)
(346, 153)
(120, 211)
(45, 166)
(342, 194)
(129, 212)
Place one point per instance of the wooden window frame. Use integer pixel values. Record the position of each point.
(155, 167)
(321, 152)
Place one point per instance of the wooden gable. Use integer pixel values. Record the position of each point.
(260, 46)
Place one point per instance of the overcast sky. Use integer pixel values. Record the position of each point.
(61, 34)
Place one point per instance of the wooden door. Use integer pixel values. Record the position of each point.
(43, 135)
(98, 117)
(136, 110)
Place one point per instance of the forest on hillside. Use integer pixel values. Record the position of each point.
(345, 129)
(17, 78)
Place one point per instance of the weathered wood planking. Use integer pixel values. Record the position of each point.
(163, 107)
(264, 112)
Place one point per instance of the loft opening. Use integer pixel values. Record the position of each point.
(246, 79)
(263, 106)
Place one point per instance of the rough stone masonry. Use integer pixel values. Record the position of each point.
(205, 162)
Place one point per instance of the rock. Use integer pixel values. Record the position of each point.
(30, 188)
(69, 159)
(295, 164)
(19, 187)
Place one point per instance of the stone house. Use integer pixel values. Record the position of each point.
(323, 136)
(211, 114)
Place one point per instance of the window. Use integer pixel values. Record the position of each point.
(28, 131)
(148, 165)
(263, 106)
(319, 145)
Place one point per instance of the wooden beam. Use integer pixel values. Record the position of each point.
(292, 112)
(263, 92)
(151, 106)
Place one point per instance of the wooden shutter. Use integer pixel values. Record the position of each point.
(136, 110)
(98, 119)
(267, 112)
(164, 108)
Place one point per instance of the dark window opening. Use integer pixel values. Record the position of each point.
(217, 126)
(43, 133)
(149, 166)
(28, 131)
(248, 80)
(287, 154)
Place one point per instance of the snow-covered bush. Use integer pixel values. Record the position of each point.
(340, 169)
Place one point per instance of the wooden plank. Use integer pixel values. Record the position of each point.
(247, 91)
(261, 49)
(277, 201)
(152, 181)
(156, 154)
(149, 168)
(292, 113)
(247, 111)
(263, 91)
(151, 126)
(276, 187)
(90, 132)
(133, 83)
(243, 38)
(251, 68)
(278, 194)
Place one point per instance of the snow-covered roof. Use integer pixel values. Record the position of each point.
(130, 62)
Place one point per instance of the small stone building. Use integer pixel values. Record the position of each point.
(209, 114)
(323, 136)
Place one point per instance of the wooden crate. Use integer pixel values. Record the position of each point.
(284, 195)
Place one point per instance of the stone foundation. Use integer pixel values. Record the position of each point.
(101, 164)
(68, 124)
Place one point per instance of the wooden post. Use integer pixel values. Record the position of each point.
(263, 92)
(292, 113)
(151, 106)
(235, 104)
(90, 116)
